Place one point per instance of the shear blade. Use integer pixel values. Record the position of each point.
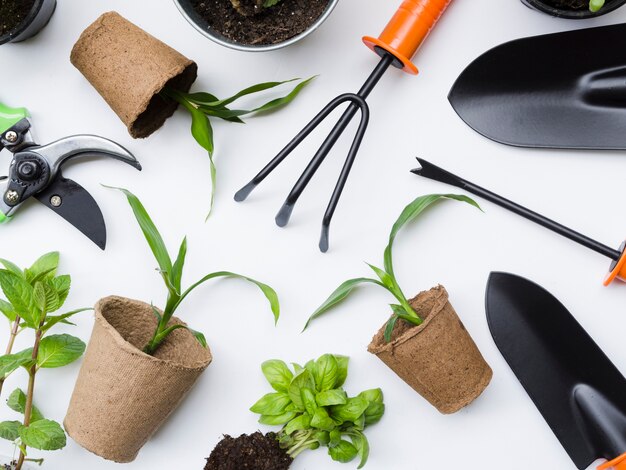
(72, 202)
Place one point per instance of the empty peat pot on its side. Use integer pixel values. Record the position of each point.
(129, 68)
(572, 9)
(122, 395)
(438, 358)
(22, 19)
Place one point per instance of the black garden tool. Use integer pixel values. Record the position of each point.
(35, 171)
(577, 389)
(396, 46)
(618, 266)
(563, 90)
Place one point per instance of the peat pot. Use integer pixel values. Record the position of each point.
(256, 28)
(546, 6)
(122, 395)
(129, 68)
(31, 21)
(438, 359)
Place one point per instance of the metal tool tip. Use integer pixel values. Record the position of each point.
(137, 165)
(284, 214)
(244, 192)
(324, 239)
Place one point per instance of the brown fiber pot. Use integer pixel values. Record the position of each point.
(438, 359)
(129, 68)
(122, 395)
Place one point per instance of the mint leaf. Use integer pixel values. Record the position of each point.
(9, 430)
(43, 435)
(17, 402)
(11, 362)
(59, 351)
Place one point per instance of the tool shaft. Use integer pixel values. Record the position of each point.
(431, 171)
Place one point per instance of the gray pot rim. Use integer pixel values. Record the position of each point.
(21, 31)
(223, 41)
(541, 6)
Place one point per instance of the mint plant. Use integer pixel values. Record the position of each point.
(386, 277)
(204, 106)
(32, 296)
(315, 411)
(172, 274)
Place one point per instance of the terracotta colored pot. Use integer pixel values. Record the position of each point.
(129, 68)
(438, 359)
(122, 395)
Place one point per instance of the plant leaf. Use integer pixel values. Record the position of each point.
(11, 362)
(17, 402)
(11, 267)
(20, 294)
(391, 324)
(269, 293)
(596, 5)
(7, 310)
(44, 267)
(9, 430)
(332, 397)
(322, 420)
(177, 268)
(150, 232)
(277, 374)
(59, 350)
(326, 371)
(376, 407)
(62, 286)
(302, 380)
(52, 320)
(271, 404)
(249, 91)
(43, 435)
(338, 295)
(299, 423)
(308, 399)
(278, 420)
(342, 371)
(343, 452)
(411, 212)
(351, 411)
(360, 442)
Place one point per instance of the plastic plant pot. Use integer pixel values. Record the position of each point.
(543, 6)
(35, 21)
(187, 10)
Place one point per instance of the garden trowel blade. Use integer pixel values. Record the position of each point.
(563, 90)
(577, 389)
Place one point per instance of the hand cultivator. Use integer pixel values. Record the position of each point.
(398, 43)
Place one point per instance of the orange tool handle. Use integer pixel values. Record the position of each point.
(615, 464)
(407, 30)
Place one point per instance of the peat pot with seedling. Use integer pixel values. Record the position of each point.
(144, 80)
(424, 341)
(141, 361)
(22, 19)
(256, 25)
(575, 9)
(314, 410)
(32, 296)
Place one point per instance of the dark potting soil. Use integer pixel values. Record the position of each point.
(569, 4)
(12, 13)
(275, 24)
(249, 452)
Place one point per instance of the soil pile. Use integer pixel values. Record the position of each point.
(248, 452)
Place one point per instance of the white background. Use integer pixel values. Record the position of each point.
(454, 244)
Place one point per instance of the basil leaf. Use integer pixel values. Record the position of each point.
(277, 374)
(338, 295)
(322, 420)
(326, 372)
(9, 430)
(300, 381)
(17, 402)
(342, 370)
(272, 404)
(351, 411)
(308, 399)
(300, 423)
(362, 446)
(43, 435)
(332, 397)
(279, 419)
(59, 350)
(343, 452)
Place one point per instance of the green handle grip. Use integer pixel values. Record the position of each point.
(9, 117)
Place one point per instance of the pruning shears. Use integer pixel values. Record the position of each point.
(35, 171)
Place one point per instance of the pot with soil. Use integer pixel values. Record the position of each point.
(256, 25)
(575, 9)
(22, 19)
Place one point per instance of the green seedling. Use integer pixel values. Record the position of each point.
(172, 274)
(32, 295)
(315, 411)
(386, 277)
(205, 106)
(253, 7)
(596, 5)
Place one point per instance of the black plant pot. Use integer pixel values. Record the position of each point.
(35, 21)
(545, 7)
